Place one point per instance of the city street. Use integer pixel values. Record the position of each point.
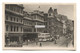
(61, 42)
(33, 27)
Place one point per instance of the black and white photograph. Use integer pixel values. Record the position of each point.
(39, 26)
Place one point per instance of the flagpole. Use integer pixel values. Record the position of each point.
(38, 7)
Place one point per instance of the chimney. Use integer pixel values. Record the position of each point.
(50, 10)
(55, 11)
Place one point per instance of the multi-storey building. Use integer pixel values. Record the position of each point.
(31, 20)
(63, 19)
(70, 26)
(72, 32)
(13, 23)
(54, 25)
(45, 22)
(38, 19)
(27, 27)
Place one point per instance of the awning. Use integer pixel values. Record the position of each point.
(15, 34)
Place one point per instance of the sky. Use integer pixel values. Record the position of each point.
(67, 10)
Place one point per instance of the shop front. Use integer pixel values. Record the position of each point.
(29, 38)
(13, 39)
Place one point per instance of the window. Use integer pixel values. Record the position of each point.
(14, 8)
(18, 9)
(21, 28)
(34, 17)
(21, 11)
(11, 7)
(11, 28)
(14, 18)
(14, 28)
(17, 19)
(24, 23)
(27, 23)
(7, 6)
(34, 30)
(21, 20)
(6, 27)
(11, 18)
(49, 23)
(6, 17)
(17, 28)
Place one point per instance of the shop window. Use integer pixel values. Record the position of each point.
(14, 38)
(34, 30)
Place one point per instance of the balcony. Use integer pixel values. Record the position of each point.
(38, 20)
(27, 18)
(14, 22)
(8, 10)
(28, 25)
(38, 12)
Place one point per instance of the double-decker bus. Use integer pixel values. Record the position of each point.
(44, 37)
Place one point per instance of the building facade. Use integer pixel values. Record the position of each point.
(54, 25)
(13, 23)
(38, 19)
(31, 20)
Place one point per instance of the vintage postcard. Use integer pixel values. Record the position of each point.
(39, 26)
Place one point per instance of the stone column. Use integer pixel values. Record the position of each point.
(20, 40)
(36, 28)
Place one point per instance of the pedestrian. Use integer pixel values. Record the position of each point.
(67, 41)
(40, 44)
(73, 43)
(55, 41)
(58, 36)
(27, 42)
(36, 41)
(55, 38)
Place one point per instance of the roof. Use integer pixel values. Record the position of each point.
(50, 10)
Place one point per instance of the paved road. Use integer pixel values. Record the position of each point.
(60, 43)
